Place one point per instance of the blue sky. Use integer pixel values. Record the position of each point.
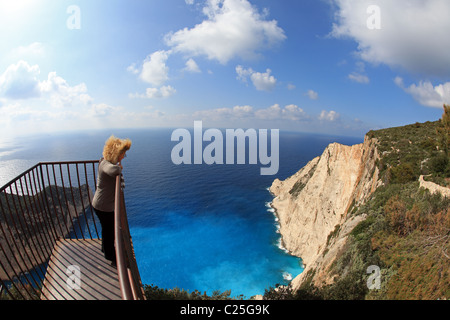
(327, 66)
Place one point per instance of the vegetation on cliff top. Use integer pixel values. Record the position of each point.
(153, 292)
(407, 230)
(417, 149)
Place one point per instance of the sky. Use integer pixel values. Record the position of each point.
(340, 67)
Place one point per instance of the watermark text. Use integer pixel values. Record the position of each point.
(73, 22)
(374, 280)
(73, 281)
(235, 147)
(374, 20)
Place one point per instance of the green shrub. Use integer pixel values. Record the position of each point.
(152, 292)
(440, 164)
(404, 173)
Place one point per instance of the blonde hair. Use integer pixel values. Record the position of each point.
(114, 147)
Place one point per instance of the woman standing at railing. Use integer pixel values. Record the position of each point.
(109, 167)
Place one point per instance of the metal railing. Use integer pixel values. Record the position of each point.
(48, 202)
(129, 278)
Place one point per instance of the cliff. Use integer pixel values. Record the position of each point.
(356, 208)
(313, 205)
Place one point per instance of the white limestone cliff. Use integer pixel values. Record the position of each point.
(314, 201)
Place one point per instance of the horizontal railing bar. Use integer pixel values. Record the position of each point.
(45, 163)
(68, 162)
(3, 188)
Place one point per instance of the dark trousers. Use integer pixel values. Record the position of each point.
(107, 223)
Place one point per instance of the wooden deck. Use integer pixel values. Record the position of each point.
(78, 271)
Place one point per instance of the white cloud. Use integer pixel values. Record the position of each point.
(413, 34)
(312, 95)
(358, 77)
(427, 94)
(261, 81)
(34, 49)
(62, 94)
(20, 81)
(233, 28)
(102, 115)
(154, 69)
(275, 112)
(237, 112)
(359, 74)
(192, 66)
(294, 113)
(289, 117)
(102, 110)
(132, 68)
(243, 73)
(291, 86)
(43, 110)
(329, 116)
(50, 105)
(272, 113)
(242, 111)
(163, 92)
(31, 119)
(14, 110)
(105, 115)
(155, 93)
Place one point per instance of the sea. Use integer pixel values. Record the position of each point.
(194, 226)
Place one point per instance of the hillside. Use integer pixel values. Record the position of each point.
(360, 219)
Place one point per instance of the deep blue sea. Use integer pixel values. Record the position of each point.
(195, 227)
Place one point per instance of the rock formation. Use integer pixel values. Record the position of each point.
(314, 205)
(433, 187)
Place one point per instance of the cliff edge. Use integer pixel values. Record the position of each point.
(313, 205)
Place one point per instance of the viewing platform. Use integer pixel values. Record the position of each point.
(50, 243)
(98, 279)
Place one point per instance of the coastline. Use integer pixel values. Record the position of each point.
(280, 243)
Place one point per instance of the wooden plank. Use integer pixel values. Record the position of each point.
(78, 271)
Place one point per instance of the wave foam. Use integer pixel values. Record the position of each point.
(280, 245)
(287, 276)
